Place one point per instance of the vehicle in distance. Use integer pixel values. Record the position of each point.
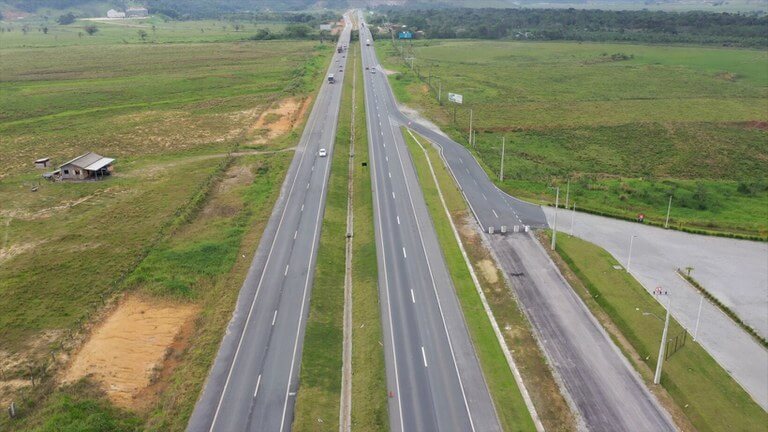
(367, 42)
(322, 152)
(339, 49)
(331, 79)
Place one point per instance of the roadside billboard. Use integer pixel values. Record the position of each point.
(455, 98)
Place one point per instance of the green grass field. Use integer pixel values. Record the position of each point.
(629, 125)
(511, 409)
(702, 390)
(29, 33)
(170, 223)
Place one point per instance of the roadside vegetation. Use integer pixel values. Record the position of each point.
(179, 221)
(645, 26)
(703, 396)
(510, 406)
(628, 125)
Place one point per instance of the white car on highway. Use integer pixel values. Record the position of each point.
(322, 153)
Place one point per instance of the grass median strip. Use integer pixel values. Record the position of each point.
(701, 389)
(369, 386)
(510, 405)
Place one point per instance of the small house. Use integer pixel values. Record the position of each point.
(43, 162)
(115, 14)
(136, 12)
(87, 166)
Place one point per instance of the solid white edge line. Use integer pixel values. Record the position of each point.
(313, 120)
(432, 277)
(306, 282)
(494, 324)
(384, 260)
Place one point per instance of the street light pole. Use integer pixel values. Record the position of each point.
(573, 215)
(567, 193)
(669, 207)
(660, 361)
(439, 90)
(501, 171)
(698, 317)
(554, 225)
(470, 127)
(629, 258)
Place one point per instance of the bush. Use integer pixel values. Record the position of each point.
(66, 19)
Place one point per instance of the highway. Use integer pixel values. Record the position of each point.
(600, 384)
(433, 375)
(254, 378)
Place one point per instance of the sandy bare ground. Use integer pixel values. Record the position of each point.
(279, 120)
(129, 350)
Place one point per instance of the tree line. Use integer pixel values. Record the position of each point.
(730, 29)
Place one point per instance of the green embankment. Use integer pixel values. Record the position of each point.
(510, 406)
(702, 390)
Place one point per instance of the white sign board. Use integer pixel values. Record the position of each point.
(455, 98)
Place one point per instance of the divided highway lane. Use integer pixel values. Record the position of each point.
(433, 375)
(254, 379)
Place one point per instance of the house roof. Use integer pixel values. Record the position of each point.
(90, 161)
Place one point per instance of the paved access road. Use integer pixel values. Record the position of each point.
(433, 375)
(735, 271)
(254, 379)
(602, 386)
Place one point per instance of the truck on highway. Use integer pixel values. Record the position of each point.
(367, 42)
(331, 79)
(339, 49)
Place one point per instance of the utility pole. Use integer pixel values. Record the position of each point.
(698, 317)
(501, 171)
(439, 90)
(470, 126)
(573, 214)
(629, 258)
(669, 207)
(554, 225)
(660, 361)
(567, 193)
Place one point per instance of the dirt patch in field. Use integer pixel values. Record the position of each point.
(756, 124)
(6, 253)
(727, 76)
(134, 348)
(488, 270)
(279, 120)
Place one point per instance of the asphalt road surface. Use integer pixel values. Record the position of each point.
(433, 376)
(254, 379)
(600, 383)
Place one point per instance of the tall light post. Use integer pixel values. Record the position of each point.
(629, 258)
(567, 193)
(501, 171)
(669, 208)
(470, 127)
(663, 346)
(698, 318)
(573, 215)
(554, 225)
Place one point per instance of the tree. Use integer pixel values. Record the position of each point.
(142, 35)
(91, 29)
(66, 19)
(297, 31)
(45, 30)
